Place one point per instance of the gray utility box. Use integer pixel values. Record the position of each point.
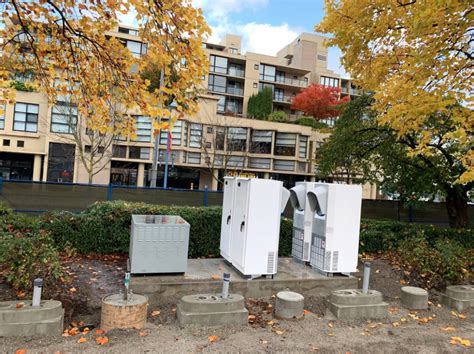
(158, 244)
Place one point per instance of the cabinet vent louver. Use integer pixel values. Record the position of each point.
(270, 262)
(306, 250)
(335, 257)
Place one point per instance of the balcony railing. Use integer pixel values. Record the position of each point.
(292, 82)
(282, 98)
(226, 71)
(236, 72)
(355, 92)
(344, 90)
(235, 91)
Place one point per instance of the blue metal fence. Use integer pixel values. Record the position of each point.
(38, 197)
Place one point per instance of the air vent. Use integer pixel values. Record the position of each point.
(327, 260)
(335, 258)
(270, 262)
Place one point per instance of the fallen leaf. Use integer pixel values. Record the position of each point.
(82, 340)
(448, 329)
(263, 341)
(20, 294)
(74, 331)
(99, 331)
(251, 318)
(377, 271)
(279, 332)
(375, 325)
(20, 305)
(330, 334)
(155, 313)
(72, 290)
(86, 330)
(461, 316)
(143, 334)
(423, 320)
(461, 341)
(212, 339)
(403, 319)
(306, 312)
(396, 324)
(173, 310)
(270, 323)
(269, 306)
(20, 351)
(330, 325)
(402, 282)
(215, 277)
(393, 310)
(102, 340)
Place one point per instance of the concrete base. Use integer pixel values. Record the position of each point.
(414, 298)
(459, 297)
(289, 305)
(27, 320)
(201, 274)
(212, 310)
(353, 304)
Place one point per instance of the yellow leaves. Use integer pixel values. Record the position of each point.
(460, 341)
(458, 315)
(448, 329)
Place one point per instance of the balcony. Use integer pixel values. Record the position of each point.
(355, 91)
(229, 90)
(344, 90)
(235, 91)
(282, 98)
(235, 72)
(291, 82)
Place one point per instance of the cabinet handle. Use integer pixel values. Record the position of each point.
(242, 225)
(228, 219)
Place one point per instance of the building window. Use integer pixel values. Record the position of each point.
(279, 95)
(142, 153)
(209, 130)
(218, 64)
(262, 86)
(63, 119)
(217, 83)
(26, 117)
(233, 51)
(267, 72)
(236, 161)
(143, 128)
(220, 104)
(3, 108)
(194, 158)
(195, 136)
(255, 66)
(6, 142)
(237, 139)
(259, 163)
(175, 134)
(20, 143)
(284, 165)
(285, 144)
(235, 88)
(321, 57)
(233, 105)
(236, 70)
(280, 76)
(261, 141)
(61, 162)
(220, 138)
(131, 32)
(119, 151)
(329, 81)
(303, 147)
(255, 85)
(136, 48)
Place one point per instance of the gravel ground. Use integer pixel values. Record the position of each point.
(428, 331)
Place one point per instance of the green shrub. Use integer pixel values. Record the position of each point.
(310, 122)
(23, 86)
(260, 105)
(24, 257)
(278, 116)
(5, 210)
(447, 261)
(104, 227)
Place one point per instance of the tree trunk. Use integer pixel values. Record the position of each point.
(456, 204)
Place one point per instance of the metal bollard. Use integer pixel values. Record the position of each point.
(37, 288)
(225, 286)
(126, 283)
(365, 281)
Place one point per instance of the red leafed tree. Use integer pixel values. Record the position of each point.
(319, 101)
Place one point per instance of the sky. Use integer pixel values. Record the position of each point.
(265, 25)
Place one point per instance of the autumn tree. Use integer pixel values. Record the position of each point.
(69, 47)
(416, 56)
(362, 149)
(319, 101)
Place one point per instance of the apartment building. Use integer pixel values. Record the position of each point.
(35, 141)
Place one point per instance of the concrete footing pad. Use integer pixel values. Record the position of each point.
(19, 318)
(414, 298)
(353, 304)
(289, 305)
(212, 310)
(459, 297)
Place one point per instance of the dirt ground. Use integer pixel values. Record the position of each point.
(428, 331)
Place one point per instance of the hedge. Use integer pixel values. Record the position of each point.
(105, 227)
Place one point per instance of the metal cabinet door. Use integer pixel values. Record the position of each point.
(227, 215)
(239, 224)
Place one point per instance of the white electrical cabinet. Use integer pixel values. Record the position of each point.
(335, 228)
(251, 224)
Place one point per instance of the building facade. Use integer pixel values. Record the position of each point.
(36, 142)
